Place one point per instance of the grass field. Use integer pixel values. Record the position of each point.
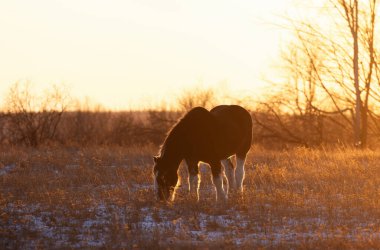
(103, 197)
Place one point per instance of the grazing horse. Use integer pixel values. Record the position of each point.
(208, 136)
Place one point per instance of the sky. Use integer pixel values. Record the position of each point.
(136, 53)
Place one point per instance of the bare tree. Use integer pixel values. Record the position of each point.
(34, 119)
(203, 97)
(289, 115)
(340, 52)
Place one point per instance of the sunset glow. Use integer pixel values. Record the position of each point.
(136, 53)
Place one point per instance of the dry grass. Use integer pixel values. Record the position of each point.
(103, 197)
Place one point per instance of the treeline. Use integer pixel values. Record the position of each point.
(85, 128)
(281, 120)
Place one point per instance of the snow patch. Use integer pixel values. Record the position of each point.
(105, 223)
(7, 169)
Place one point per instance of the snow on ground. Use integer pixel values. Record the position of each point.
(134, 225)
(106, 224)
(7, 169)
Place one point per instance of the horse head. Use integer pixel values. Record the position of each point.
(165, 178)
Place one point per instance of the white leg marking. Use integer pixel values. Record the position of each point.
(239, 173)
(188, 175)
(225, 184)
(193, 181)
(174, 192)
(194, 186)
(229, 169)
(218, 182)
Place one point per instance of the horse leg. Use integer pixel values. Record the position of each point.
(193, 170)
(230, 173)
(239, 171)
(217, 179)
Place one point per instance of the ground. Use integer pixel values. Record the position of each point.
(103, 197)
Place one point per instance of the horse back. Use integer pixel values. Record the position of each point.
(234, 128)
(217, 134)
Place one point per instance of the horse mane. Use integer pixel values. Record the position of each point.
(177, 129)
(173, 131)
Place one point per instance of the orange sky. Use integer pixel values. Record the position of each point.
(130, 53)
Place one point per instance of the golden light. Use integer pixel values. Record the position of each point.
(123, 53)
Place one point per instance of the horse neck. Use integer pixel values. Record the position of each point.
(172, 150)
(173, 161)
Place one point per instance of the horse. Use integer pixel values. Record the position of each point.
(205, 136)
